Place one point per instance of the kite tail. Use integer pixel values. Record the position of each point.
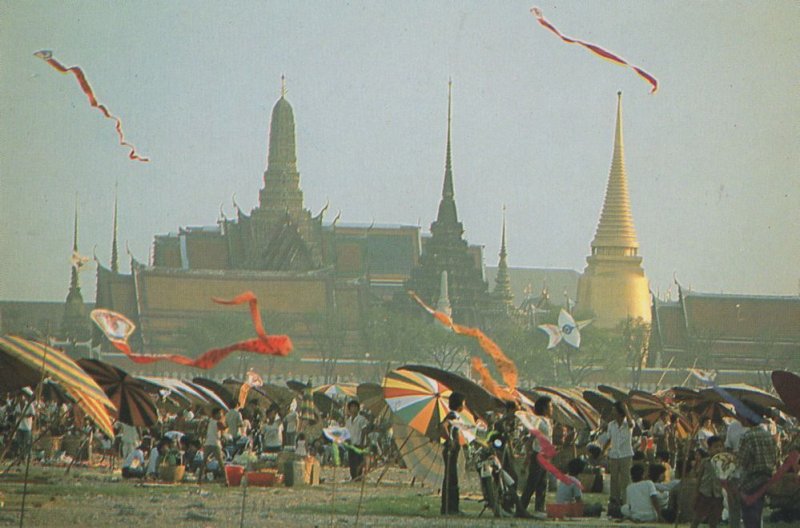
(250, 298)
(506, 367)
(488, 381)
(546, 454)
(86, 88)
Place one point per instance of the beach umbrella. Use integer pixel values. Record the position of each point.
(210, 396)
(337, 391)
(576, 399)
(563, 411)
(787, 385)
(746, 393)
(479, 400)
(297, 386)
(601, 402)
(134, 405)
(370, 395)
(649, 407)
(417, 400)
(615, 392)
(217, 389)
(575, 396)
(53, 392)
(421, 455)
(22, 363)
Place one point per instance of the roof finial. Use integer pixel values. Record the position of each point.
(283, 85)
(75, 226)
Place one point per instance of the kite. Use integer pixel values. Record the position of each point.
(506, 367)
(47, 56)
(118, 329)
(567, 330)
(252, 379)
(78, 261)
(597, 50)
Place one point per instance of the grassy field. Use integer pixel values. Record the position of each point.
(99, 498)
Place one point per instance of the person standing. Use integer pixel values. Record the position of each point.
(536, 483)
(452, 447)
(617, 439)
(757, 458)
(733, 438)
(213, 445)
(129, 439)
(356, 424)
(272, 430)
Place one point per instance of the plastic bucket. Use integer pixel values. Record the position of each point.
(233, 475)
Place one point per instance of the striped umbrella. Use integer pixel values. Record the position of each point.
(417, 400)
(22, 360)
(563, 411)
(338, 391)
(582, 407)
(134, 405)
(422, 456)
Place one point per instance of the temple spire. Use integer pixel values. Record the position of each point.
(616, 233)
(502, 282)
(75, 324)
(448, 215)
(114, 251)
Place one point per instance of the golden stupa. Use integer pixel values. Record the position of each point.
(613, 286)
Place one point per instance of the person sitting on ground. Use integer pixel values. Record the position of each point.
(708, 496)
(641, 502)
(663, 458)
(134, 464)
(156, 454)
(571, 493)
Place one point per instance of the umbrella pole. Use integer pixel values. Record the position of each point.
(244, 496)
(363, 482)
(399, 449)
(30, 447)
(683, 467)
(333, 491)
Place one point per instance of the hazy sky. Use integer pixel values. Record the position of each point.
(713, 158)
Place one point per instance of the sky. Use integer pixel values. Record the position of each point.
(713, 158)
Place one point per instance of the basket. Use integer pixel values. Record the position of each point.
(233, 474)
(264, 479)
(560, 511)
(171, 473)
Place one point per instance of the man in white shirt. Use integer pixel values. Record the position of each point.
(234, 422)
(641, 502)
(356, 424)
(134, 464)
(618, 438)
(129, 438)
(155, 457)
(26, 409)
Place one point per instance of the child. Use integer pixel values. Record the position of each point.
(708, 498)
(641, 502)
(571, 493)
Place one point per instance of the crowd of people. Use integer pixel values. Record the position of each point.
(650, 470)
(202, 439)
(653, 469)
